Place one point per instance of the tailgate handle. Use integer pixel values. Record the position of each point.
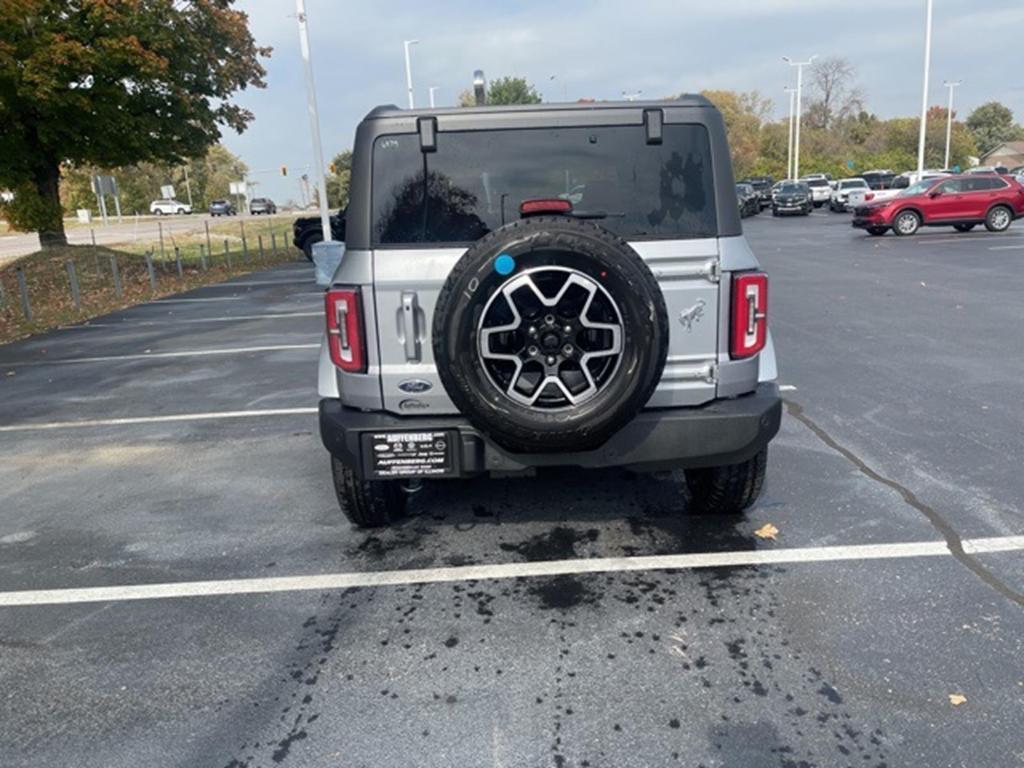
(410, 323)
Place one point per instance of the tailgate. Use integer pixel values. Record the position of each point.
(408, 281)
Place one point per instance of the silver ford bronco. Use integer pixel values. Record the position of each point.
(545, 286)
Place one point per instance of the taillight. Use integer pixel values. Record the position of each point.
(869, 196)
(749, 313)
(345, 338)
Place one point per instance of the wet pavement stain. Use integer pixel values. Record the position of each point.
(317, 643)
(562, 593)
(557, 544)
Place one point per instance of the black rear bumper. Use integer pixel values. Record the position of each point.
(722, 432)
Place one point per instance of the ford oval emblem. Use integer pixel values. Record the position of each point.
(414, 386)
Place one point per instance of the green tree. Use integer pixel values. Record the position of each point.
(105, 83)
(512, 90)
(339, 179)
(893, 143)
(991, 124)
(744, 114)
(504, 90)
(209, 178)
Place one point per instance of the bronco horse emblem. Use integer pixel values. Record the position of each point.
(692, 315)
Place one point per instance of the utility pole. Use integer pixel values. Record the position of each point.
(188, 187)
(951, 84)
(924, 91)
(789, 141)
(408, 71)
(314, 120)
(432, 89)
(799, 96)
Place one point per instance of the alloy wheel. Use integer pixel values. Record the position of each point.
(550, 338)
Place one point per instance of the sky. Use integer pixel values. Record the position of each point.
(601, 48)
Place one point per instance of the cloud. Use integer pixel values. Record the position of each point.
(599, 49)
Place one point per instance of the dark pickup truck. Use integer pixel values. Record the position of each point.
(308, 230)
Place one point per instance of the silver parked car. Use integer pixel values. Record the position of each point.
(544, 286)
(262, 205)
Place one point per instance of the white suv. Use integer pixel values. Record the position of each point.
(162, 207)
(840, 200)
(821, 190)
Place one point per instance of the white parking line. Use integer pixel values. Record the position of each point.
(157, 355)
(210, 416)
(332, 581)
(1005, 247)
(787, 388)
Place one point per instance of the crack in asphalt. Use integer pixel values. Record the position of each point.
(943, 526)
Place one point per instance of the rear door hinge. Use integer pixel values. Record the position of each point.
(713, 270)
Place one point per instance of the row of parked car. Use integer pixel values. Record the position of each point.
(257, 206)
(882, 200)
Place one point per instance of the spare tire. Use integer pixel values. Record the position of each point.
(550, 334)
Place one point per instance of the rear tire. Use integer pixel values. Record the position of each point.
(998, 219)
(307, 248)
(963, 227)
(367, 503)
(726, 490)
(906, 223)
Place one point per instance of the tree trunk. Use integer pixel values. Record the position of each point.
(51, 234)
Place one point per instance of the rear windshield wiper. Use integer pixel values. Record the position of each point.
(596, 214)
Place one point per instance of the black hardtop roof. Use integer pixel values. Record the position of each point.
(685, 100)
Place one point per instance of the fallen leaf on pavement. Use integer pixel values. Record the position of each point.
(766, 531)
(956, 699)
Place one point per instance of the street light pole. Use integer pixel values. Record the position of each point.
(188, 187)
(314, 120)
(924, 92)
(789, 141)
(432, 89)
(951, 84)
(408, 71)
(799, 96)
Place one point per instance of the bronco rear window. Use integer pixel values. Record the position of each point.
(476, 180)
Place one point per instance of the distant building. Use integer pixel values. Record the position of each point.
(1009, 153)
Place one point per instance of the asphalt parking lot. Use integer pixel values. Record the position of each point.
(176, 443)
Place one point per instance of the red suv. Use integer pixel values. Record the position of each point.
(958, 201)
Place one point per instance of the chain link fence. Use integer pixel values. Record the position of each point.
(118, 267)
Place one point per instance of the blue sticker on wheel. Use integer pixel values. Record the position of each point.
(504, 264)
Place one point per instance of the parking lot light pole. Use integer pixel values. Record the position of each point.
(789, 140)
(924, 91)
(951, 84)
(799, 94)
(314, 119)
(432, 89)
(408, 71)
